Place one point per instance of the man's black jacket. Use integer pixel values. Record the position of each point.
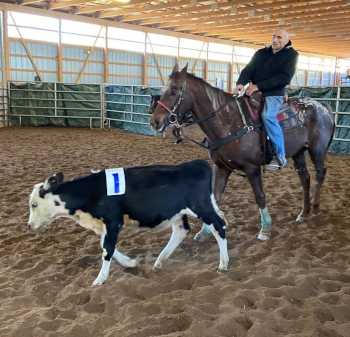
(271, 72)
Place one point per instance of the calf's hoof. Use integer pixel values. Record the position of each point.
(157, 266)
(99, 281)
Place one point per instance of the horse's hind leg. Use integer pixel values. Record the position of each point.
(317, 158)
(304, 176)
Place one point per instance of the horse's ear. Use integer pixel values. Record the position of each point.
(183, 72)
(175, 69)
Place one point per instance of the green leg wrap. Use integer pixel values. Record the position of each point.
(265, 218)
(205, 230)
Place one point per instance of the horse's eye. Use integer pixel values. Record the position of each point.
(34, 205)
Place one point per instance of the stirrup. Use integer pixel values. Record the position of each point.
(276, 164)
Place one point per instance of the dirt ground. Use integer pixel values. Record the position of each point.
(297, 284)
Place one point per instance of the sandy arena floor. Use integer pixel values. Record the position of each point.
(297, 284)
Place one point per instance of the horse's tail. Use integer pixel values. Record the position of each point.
(329, 108)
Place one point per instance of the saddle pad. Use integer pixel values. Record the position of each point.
(290, 116)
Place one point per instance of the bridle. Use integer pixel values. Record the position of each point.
(173, 119)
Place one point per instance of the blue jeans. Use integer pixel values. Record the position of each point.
(271, 108)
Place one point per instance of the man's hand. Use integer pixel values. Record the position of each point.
(252, 87)
(238, 88)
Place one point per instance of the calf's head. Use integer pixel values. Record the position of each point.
(44, 205)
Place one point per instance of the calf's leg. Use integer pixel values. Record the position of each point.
(180, 230)
(109, 243)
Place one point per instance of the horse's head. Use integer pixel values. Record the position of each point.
(173, 103)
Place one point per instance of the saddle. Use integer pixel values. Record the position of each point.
(290, 116)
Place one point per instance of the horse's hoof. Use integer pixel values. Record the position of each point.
(301, 219)
(264, 235)
(314, 216)
(200, 237)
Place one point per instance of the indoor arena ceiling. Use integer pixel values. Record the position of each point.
(316, 26)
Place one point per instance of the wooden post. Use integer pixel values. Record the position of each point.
(195, 63)
(6, 45)
(296, 77)
(144, 62)
(206, 64)
(154, 55)
(27, 50)
(60, 53)
(105, 57)
(88, 57)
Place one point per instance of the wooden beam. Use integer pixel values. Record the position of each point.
(223, 8)
(332, 30)
(260, 23)
(158, 13)
(155, 58)
(26, 49)
(65, 4)
(122, 10)
(126, 12)
(223, 14)
(154, 8)
(28, 2)
(88, 57)
(225, 17)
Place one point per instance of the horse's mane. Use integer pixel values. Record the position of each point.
(219, 95)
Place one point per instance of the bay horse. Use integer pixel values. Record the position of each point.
(185, 92)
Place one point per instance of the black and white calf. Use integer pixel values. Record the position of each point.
(155, 196)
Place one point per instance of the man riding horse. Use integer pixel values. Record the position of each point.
(269, 71)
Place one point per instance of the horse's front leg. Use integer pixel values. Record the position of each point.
(254, 177)
(220, 181)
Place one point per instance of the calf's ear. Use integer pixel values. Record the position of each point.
(51, 183)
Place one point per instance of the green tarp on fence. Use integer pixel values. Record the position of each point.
(39, 99)
(120, 99)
